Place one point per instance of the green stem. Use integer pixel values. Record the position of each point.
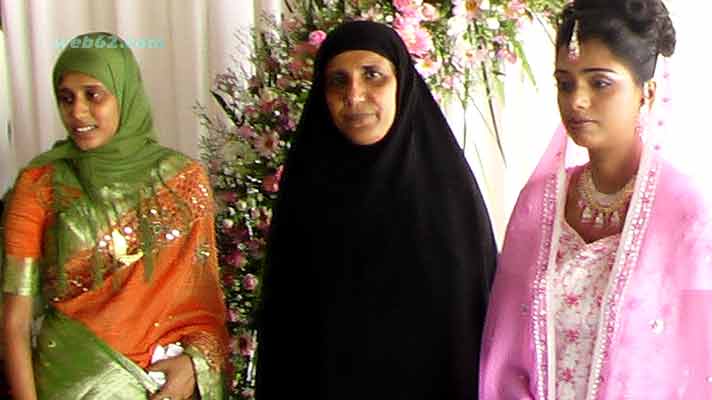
(490, 103)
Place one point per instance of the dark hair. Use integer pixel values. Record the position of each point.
(634, 30)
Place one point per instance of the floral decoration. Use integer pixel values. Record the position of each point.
(460, 48)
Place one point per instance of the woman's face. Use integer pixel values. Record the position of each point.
(90, 112)
(361, 90)
(599, 98)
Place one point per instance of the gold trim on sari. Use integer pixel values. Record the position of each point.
(20, 275)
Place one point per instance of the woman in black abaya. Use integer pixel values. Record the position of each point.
(381, 252)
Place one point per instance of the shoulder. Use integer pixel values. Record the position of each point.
(35, 177)
(35, 174)
(687, 194)
(176, 165)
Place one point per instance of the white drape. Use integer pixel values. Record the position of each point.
(197, 40)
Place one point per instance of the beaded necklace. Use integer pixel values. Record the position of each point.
(601, 209)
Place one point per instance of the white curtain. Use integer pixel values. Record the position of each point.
(199, 41)
(194, 40)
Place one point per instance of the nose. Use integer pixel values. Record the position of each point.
(580, 99)
(79, 108)
(355, 92)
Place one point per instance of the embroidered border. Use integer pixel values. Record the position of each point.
(539, 312)
(631, 242)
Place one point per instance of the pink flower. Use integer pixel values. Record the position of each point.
(571, 335)
(228, 280)
(267, 144)
(515, 9)
(246, 131)
(248, 393)
(416, 38)
(236, 259)
(227, 197)
(504, 53)
(270, 183)
(427, 66)
(407, 7)
(252, 111)
(256, 248)
(234, 315)
(428, 12)
(571, 299)
(567, 375)
(245, 345)
(316, 37)
(249, 282)
(283, 82)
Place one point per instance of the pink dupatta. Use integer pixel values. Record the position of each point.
(655, 328)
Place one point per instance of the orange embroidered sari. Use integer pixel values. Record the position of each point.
(103, 282)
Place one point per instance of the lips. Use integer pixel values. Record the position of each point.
(357, 118)
(83, 130)
(579, 122)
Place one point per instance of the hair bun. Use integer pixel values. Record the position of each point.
(641, 13)
(666, 37)
(648, 18)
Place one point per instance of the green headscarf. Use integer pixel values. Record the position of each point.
(126, 168)
(133, 150)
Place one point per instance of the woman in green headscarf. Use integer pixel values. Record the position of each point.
(109, 243)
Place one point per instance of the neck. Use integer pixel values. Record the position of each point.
(612, 168)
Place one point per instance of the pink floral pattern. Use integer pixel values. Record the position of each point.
(579, 284)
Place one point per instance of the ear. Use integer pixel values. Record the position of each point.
(649, 90)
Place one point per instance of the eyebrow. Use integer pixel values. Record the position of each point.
(363, 66)
(83, 87)
(588, 71)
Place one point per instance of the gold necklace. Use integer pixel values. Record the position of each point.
(602, 209)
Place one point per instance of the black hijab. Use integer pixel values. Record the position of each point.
(380, 256)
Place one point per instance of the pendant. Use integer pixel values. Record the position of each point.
(598, 223)
(615, 219)
(586, 215)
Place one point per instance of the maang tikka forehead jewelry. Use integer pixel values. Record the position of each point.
(574, 45)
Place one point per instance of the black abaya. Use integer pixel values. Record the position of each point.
(380, 256)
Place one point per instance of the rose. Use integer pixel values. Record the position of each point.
(270, 184)
(249, 282)
(236, 259)
(245, 345)
(316, 38)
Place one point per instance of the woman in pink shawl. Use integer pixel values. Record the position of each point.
(604, 289)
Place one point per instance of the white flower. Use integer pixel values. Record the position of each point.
(493, 23)
(456, 26)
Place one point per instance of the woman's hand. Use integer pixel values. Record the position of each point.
(180, 378)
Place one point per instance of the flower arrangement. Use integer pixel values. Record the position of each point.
(459, 46)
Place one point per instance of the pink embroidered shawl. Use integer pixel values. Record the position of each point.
(655, 328)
